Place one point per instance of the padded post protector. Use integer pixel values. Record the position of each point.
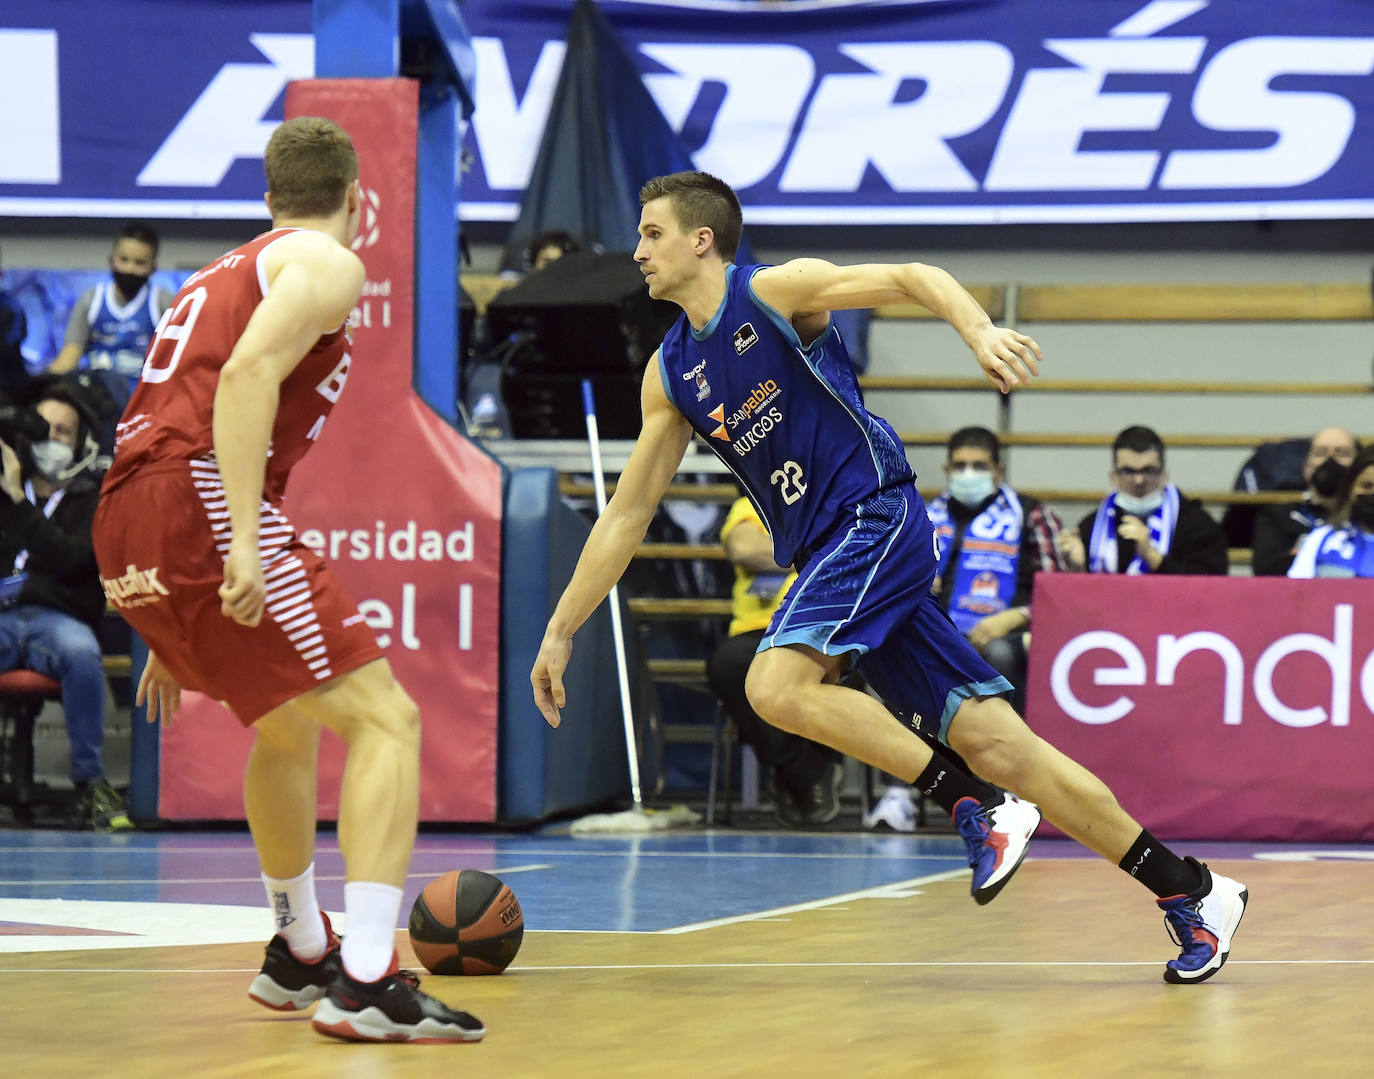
(544, 772)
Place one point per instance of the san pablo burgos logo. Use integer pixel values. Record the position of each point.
(751, 412)
(745, 338)
(699, 373)
(369, 224)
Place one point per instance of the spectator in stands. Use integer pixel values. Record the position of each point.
(112, 324)
(1274, 466)
(992, 542)
(1145, 525)
(1280, 529)
(806, 774)
(49, 623)
(551, 245)
(1344, 547)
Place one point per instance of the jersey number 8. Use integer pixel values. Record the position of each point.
(173, 329)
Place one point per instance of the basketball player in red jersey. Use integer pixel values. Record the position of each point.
(196, 553)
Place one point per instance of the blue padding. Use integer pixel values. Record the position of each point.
(356, 39)
(47, 298)
(545, 772)
(145, 745)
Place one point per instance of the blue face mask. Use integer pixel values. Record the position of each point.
(970, 486)
(1140, 507)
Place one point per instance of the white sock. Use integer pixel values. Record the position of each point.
(296, 912)
(370, 934)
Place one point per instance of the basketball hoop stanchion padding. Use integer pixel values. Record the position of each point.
(406, 511)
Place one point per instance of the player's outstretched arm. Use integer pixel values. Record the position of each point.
(615, 537)
(314, 283)
(808, 286)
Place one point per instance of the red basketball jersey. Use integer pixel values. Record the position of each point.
(171, 414)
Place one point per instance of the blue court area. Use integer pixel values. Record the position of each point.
(621, 883)
(652, 883)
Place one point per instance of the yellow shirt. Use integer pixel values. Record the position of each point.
(749, 609)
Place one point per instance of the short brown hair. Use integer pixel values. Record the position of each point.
(700, 199)
(310, 162)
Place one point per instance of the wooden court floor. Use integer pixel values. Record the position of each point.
(1060, 976)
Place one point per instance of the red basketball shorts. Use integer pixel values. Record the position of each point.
(160, 541)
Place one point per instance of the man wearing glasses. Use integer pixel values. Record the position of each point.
(1145, 525)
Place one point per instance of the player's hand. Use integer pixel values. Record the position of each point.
(1007, 357)
(160, 690)
(244, 592)
(1071, 547)
(547, 677)
(13, 480)
(995, 626)
(1129, 527)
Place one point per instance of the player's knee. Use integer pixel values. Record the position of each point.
(772, 698)
(993, 740)
(399, 719)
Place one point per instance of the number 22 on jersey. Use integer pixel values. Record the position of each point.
(788, 480)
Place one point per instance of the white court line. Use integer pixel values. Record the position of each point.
(897, 890)
(107, 881)
(568, 852)
(941, 963)
(627, 852)
(1252, 853)
(951, 963)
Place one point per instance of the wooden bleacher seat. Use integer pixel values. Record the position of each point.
(1093, 385)
(1286, 302)
(727, 492)
(1260, 302)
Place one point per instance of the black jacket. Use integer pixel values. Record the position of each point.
(61, 564)
(1199, 545)
(1277, 532)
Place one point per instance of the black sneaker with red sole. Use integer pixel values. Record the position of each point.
(288, 984)
(391, 1009)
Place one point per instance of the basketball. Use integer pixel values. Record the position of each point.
(466, 922)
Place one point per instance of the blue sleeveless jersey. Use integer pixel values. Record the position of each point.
(121, 333)
(788, 420)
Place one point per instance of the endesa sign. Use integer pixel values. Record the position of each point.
(1214, 707)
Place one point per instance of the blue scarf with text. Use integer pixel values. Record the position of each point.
(986, 557)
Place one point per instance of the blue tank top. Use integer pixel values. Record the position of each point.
(787, 419)
(121, 333)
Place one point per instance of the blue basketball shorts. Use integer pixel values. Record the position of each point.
(866, 592)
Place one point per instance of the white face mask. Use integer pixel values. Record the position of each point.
(51, 458)
(1140, 507)
(971, 486)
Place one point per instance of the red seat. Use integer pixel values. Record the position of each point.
(22, 683)
(22, 693)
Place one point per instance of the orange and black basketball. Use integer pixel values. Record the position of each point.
(466, 922)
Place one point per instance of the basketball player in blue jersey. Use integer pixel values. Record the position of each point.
(112, 323)
(755, 367)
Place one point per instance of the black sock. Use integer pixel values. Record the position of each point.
(946, 783)
(1159, 868)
